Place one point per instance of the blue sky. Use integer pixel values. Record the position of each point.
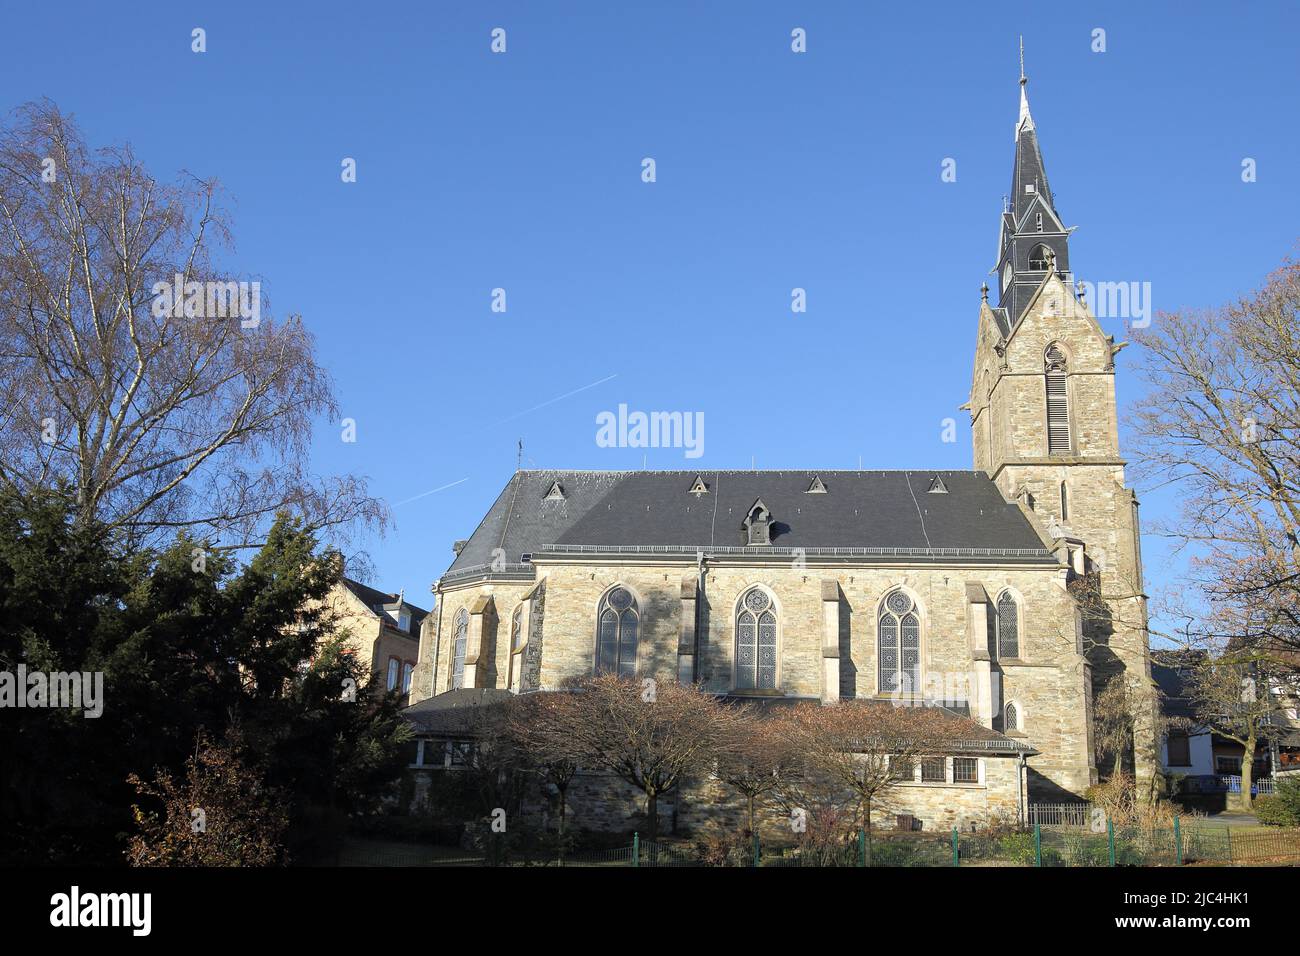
(774, 170)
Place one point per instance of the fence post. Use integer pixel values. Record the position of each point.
(1038, 844)
(1228, 831)
(636, 849)
(1178, 842)
(862, 847)
(757, 851)
(956, 856)
(1110, 838)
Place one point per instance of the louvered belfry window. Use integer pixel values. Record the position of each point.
(756, 642)
(1058, 403)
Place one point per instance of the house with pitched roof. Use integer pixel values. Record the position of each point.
(383, 630)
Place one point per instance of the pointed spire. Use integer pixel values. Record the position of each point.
(1025, 121)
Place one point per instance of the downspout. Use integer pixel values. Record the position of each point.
(437, 637)
(700, 572)
(1020, 789)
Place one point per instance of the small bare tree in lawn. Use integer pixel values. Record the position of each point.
(652, 734)
(867, 747)
(1233, 695)
(540, 726)
(753, 765)
(820, 812)
(151, 413)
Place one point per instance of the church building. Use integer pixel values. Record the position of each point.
(1008, 593)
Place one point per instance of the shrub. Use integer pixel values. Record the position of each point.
(1283, 808)
(1017, 848)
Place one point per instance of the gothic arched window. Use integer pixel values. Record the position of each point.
(1008, 622)
(617, 625)
(898, 644)
(1058, 402)
(1039, 257)
(756, 641)
(516, 645)
(1065, 502)
(460, 634)
(1010, 717)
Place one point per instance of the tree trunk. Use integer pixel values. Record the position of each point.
(751, 814)
(1247, 766)
(652, 813)
(866, 817)
(563, 805)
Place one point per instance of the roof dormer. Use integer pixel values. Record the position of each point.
(758, 524)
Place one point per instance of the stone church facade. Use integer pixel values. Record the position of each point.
(961, 587)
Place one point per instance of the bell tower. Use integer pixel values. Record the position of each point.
(1045, 428)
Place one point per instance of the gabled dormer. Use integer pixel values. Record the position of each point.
(758, 524)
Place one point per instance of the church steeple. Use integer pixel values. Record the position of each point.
(1031, 228)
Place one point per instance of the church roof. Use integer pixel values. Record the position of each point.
(889, 511)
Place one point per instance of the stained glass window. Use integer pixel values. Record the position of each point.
(899, 645)
(618, 626)
(1008, 626)
(756, 642)
(461, 633)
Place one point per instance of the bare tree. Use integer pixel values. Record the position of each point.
(1221, 422)
(1112, 718)
(151, 411)
(753, 765)
(1235, 696)
(651, 734)
(539, 725)
(867, 748)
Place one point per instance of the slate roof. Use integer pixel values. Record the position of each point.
(454, 711)
(384, 603)
(860, 509)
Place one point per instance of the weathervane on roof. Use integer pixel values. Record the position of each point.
(1023, 79)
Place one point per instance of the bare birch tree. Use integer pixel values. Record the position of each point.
(151, 412)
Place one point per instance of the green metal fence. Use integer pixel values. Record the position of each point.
(1052, 846)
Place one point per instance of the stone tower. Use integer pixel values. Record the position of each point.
(1045, 429)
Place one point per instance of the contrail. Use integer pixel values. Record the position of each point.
(427, 493)
(557, 398)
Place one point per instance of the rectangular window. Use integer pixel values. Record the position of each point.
(934, 770)
(1180, 750)
(965, 770)
(1227, 764)
(407, 669)
(902, 768)
(461, 750)
(411, 752)
(434, 754)
(394, 669)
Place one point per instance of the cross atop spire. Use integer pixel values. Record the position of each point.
(1032, 240)
(1025, 121)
